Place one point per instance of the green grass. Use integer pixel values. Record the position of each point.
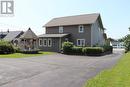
(20, 55)
(118, 76)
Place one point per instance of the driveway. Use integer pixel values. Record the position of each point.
(53, 70)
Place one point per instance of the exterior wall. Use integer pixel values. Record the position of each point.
(56, 44)
(74, 31)
(54, 47)
(97, 34)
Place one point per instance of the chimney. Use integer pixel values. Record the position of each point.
(29, 28)
(8, 30)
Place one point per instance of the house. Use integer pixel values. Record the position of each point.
(3, 34)
(82, 30)
(26, 41)
(13, 37)
(117, 44)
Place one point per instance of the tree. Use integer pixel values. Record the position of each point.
(127, 43)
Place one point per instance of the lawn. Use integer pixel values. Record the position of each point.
(118, 76)
(20, 55)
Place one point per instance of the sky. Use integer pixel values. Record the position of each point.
(115, 14)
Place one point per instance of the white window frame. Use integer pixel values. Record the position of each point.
(40, 44)
(80, 42)
(61, 30)
(81, 30)
(46, 42)
(50, 45)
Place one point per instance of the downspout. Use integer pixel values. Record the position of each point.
(60, 44)
(91, 35)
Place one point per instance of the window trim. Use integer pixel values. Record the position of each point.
(80, 29)
(80, 42)
(41, 42)
(50, 42)
(46, 43)
(61, 29)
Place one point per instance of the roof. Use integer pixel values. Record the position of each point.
(12, 35)
(53, 35)
(73, 20)
(29, 34)
(116, 42)
(3, 33)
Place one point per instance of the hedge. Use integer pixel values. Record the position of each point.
(77, 50)
(93, 50)
(69, 48)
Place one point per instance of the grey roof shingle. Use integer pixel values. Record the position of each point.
(29, 34)
(4, 33)
(12, 35)
(73, 20)
(53, 35)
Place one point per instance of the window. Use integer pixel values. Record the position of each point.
(81, 28)
(60, 29)
(80, 42)
(49, 42)
(40, 42)
(66, 39)
(44, 42)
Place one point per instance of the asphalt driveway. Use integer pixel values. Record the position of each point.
(53, 70)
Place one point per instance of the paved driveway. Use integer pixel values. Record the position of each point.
(53, 70)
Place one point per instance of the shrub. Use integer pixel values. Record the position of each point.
(67, 47)
(16, 49)
(77, 50)
(107, 48)
(93, 50)
(6, 47)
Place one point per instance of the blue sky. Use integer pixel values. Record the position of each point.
(115, 14)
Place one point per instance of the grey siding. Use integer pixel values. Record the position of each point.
(74, 31)
(56, 44)
(97, 34)
(53, 48)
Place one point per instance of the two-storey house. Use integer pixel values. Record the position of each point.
(82, 30)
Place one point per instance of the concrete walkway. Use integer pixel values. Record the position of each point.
(53, 70)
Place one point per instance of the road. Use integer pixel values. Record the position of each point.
(56, 70)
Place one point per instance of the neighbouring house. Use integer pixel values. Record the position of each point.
(82, 30)
(3, 34)
(117, 44)
(13, 37)
(28, 41)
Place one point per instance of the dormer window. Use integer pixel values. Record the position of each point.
(81, 28)
(60, 29)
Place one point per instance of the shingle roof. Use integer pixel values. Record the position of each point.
(29, 34)
(12, 35)
(53, 35)
(73, 20)
(4, 33)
